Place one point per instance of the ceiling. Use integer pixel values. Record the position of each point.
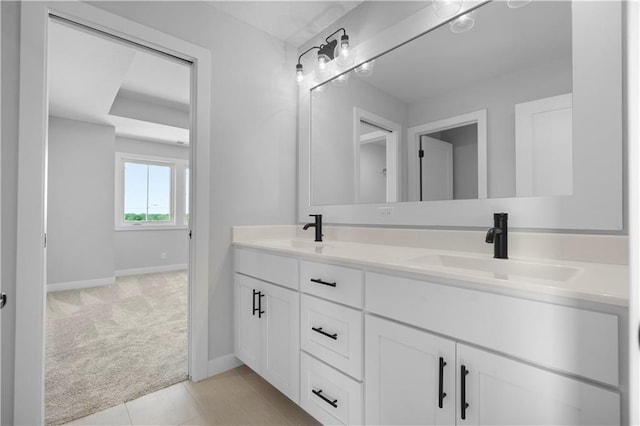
(293, 22)
(143, 94)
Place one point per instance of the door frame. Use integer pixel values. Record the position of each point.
(392, 190)
(32, 186)
(413, 143)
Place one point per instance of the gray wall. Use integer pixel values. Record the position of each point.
(499, 96)
(80, 201)
(332, 147)
(253, 156)
(465, 160)
(253, 139)
(10, 82)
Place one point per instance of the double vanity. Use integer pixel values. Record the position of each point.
(362, 333)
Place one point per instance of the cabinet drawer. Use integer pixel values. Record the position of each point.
(332, 333)
(328, 395)
(336, 283)
(280, 270)
(554, 336)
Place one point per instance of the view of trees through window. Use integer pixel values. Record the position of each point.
(147, 192)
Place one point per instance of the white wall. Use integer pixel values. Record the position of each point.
(80, 201)
(144, 249)
(332, 153)
(253, 142)
(499, 96)
(10, 51)
(465, 160)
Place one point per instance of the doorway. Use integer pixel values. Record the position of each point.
(32, 183)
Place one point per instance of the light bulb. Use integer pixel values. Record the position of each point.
(463, 23)
(322, 62)
(365, 70)
(341, 80)
(344, 56)
(299, 74)
(446, 8)
(514, 4)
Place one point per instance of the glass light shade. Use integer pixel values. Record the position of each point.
(446, 8)
(514, 4)
(299, 77)
(341, 80)
(365, 70)
(344, 55)
(463, 23)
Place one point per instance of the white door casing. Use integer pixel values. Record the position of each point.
(544, 147)
(31, 254)
(413, 143)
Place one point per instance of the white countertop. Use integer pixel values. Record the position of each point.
(594, 282)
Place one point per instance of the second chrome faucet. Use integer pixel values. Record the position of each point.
(498, 236)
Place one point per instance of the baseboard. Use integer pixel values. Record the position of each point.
(75, 285)
(150, 270)
(222, 364)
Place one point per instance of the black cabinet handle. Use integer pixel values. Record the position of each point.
(333, 336)
(254, 303)
(259, 308)
(441, 394)
(260, 311)
(463, 392)
(318, 393)
(319, 281)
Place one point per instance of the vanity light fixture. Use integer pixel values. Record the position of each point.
(463, 23)
(365, 70)
(327, 52)
(514, 4)
(446, 8)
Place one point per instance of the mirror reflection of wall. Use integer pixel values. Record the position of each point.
(507, 59)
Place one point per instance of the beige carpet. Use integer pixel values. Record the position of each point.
(108, 345)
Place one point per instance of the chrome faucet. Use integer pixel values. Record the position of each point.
(498, 236)
(317, 225)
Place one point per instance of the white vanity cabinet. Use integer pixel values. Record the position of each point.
(267, 330)
(409, 375)
(416, 377)
(501, 391)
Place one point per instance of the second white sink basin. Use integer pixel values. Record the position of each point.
(501, 268)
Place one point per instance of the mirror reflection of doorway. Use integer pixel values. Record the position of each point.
(448, 164)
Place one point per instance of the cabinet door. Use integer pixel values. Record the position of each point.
(247, 328)
(281, 340)
(501, 391)
(402, 375)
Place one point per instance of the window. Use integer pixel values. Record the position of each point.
(148, 189)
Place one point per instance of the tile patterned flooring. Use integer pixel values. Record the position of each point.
(237, 397)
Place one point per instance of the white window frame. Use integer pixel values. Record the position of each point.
(177, 197)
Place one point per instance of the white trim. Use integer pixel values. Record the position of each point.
(222, 364)
(30, 265)
(392, 146)
(150, 270)
(176, 199)
(413, 140)
(76, 285)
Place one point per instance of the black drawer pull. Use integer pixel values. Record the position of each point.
(333, 336)
(441, 393)
(318, 393)
(463, 392)
(319, 281)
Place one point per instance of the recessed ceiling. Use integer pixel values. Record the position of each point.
(89, 73)
(293, 22)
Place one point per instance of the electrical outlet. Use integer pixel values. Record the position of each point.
(163, 255)
(385, 211)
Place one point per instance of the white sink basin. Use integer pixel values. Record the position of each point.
(501, 268)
